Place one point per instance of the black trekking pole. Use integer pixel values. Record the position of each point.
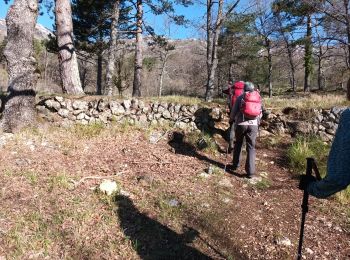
(309, 166)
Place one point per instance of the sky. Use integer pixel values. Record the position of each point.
(195, 13)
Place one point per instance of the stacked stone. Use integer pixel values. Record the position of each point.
(325, 122)
(133, 111)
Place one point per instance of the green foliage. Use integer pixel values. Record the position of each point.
(149, 63)
(263, 184)
(167, 210)
(39, 47)
(240, 40)
(304, 147)
(202, 141)
(92, 22)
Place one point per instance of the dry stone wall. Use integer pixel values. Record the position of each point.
(68, 111)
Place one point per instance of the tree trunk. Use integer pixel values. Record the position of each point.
(19, 108)
(289, 53)
(136, 90)
(162, 72)
(99, 73)
(46, 65)
(292, 67)
(112, 49)
(269, 61)
(214, 57)
(209, 37)
(346, 8)
(66, 52)
(320, 74)
(308, 55)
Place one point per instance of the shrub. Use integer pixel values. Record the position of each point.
(304, 147)
(202, 141)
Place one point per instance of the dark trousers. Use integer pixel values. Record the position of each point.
(231, 136)
(249, 132)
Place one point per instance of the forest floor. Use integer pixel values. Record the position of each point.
(167, 206)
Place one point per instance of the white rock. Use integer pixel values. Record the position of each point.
(127, 104)
(173, 203)
(81, 116)
(154, 137)
(309, 251)
(59, 99)
(226, 200)
(108, 187)
(204, 175)
(283, 241)
(4, 138)
(63, 113)
(80, 105)
(52, 104)
(124, 193)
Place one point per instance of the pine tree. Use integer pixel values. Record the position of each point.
(66, 51)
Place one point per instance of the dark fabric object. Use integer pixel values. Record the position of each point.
(305, 180)
(249, 132)
(338, 165)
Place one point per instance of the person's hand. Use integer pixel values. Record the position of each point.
(305, 180)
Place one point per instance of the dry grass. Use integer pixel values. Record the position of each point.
(43, 215)
(177, 99)
(306, 101)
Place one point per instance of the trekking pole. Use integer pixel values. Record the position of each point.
(226, 158)
(309, 165)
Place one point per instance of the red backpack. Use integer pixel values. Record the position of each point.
(236, 91)
(251, 105)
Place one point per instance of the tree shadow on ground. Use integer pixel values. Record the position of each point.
(206, 123)
(180, 146)
(151, 239)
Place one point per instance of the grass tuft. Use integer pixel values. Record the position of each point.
(88, 131)
(304, 147)
(202, 141)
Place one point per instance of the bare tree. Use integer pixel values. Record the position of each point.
(162, 48)
(19, 109)
(66, 52)
(265, 28)
(136, 90)
(213, 31)
(338, 13)
(288, 42)
(112, 49)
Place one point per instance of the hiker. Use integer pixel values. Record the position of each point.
(338, 165)
(245, 116)
(228, 92)
(233, 91)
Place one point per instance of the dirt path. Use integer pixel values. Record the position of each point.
(168, 207)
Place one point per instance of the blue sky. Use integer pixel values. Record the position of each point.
(194, 13)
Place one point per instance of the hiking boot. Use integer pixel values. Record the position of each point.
(232, 168)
